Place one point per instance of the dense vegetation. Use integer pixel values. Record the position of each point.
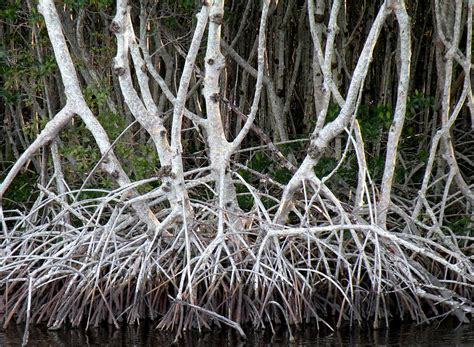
(247, 161)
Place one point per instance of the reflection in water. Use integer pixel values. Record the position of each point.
(444, 334)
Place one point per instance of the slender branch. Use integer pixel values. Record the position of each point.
(258, 85)
(179, 106)
(400, 110)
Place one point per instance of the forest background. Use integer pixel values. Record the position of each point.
(247, 161)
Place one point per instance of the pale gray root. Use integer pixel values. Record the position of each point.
(76, 104)
(178, 111)
(143, 109)
(321, 140)
(400, 111)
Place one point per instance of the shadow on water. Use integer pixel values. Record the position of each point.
(437, 334)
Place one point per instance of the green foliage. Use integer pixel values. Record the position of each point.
(35, 18)
(9, 10)
(349, 170)
(266, 165)
(373, 119)
(333, 112)
(96, 96)
(187, 5)
(325, 166)
(346, 172)
(179, 15)
(244, 199)
(418, 102)
(34, 127)
(48, 67)
(378, 117)
(260, 162)
(460, 225)
(93, 4)
(19, 65)
(294, 147)
(22, 190)
(10, 96)
(81, 151)
(282, 175)
(102, 4)
(139, 160)
(423, 155)
(376, 166)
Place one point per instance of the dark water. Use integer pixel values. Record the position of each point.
(437, 334)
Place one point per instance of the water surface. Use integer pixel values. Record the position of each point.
(446, 333)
